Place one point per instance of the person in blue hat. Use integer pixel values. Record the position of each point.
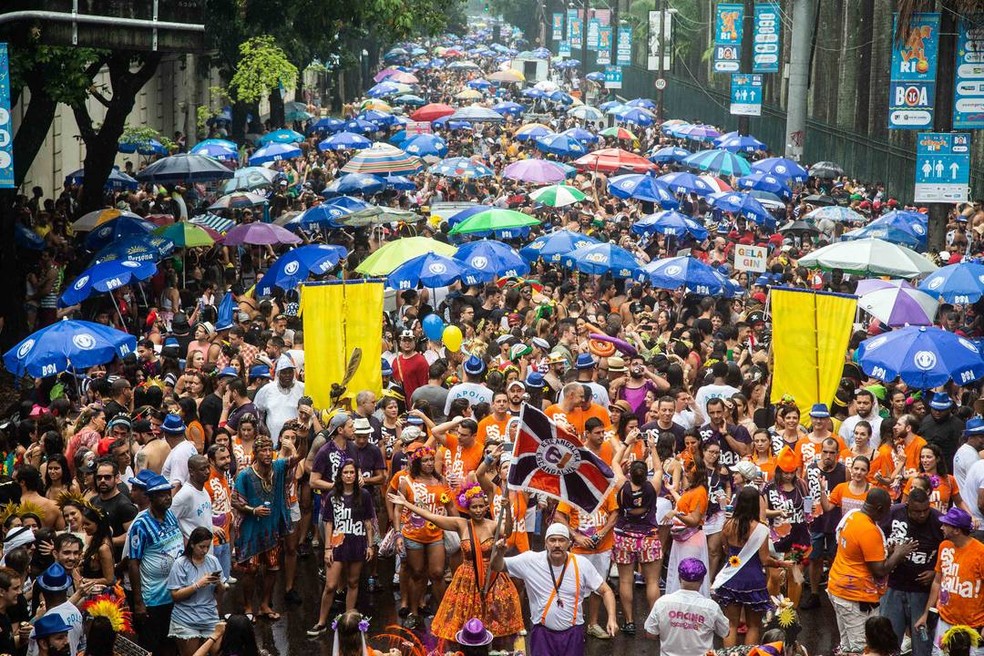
(941, 427)
(472, 389)
(969, 451)
(51, 633)
(54, 585)
(175, 467)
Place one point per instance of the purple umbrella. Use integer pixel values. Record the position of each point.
(259, 234)
(896, 303)
(538, 171)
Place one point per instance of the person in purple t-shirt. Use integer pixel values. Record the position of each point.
(634, 387)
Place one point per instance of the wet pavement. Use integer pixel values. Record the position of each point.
(287, 635)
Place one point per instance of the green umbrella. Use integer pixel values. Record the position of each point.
(186, 235)
(492, 220)
(557, 195)
(395, 253)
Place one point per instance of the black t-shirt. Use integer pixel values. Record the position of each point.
(654, 430)
(710, 434)
(209, 411)
(7, 645)
(118, 510)
(827, 522)
(114, 408)
(898, 529)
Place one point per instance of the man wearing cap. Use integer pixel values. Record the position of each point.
(827, 472)
(586, 366)
(54, 585)
(51, 635)
(557, 583)
(409, 366)
(969, 451)
(808, 448)
(154, 543)
(942, 427)
(175, 467)
(685, 620)
(472, 389)
(259, 376)
(956, 592)
(278, 403)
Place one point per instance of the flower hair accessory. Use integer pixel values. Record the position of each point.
(421, 453)
(468, 492)
(113, 608)
(363, 624)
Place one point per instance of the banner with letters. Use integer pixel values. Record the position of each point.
(766, 38)
(912, 87)
(728, 21)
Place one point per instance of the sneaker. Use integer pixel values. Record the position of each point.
(639, 580)
(316, 630)
(596, 631)
(411, 622)
(906, 645)
(628, 628)
(232, 581)
(373, 584)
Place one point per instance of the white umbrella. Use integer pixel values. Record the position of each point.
(586, 113)
(546, 86)
(896, 302)
(871, 257)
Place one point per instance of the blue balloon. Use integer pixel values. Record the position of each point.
(433, 327)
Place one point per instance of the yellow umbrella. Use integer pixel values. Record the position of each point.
(508, 75)
(469, 94)
(378, 105)
(395, 253)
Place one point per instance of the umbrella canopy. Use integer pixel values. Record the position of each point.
(143, 146)
(553, 246)
(326, 213)
(743, 204)
(117, 179)
(688, 273)
(68, 346)
(360, 126)
(95, 218)
(220, 149)
(508, 76)
(684, 182)
(670, 223)
(426, 145)
(532, 131)
(536, 171)
(274, 152)
(433, 270)
(586, 113)
(384, 159)
(105, 277)
(871, 257)
(492, 220)
(345, 141)
(296, 265)
(392, 254)
(118, 228)
(259, 234)
(237, 200)
(827, 170)
(250, 178)
(281, 136)
(636, 115)
(960, 284)
(327, 124)
(645, 103)
(835, 213)
(611, 160)
(619, 133)
(642, 186)
(697, 132)
(377, 215)
(355, 183)
(461, 167)
(557, 195)
(432, 112)
(139, 248)
(765, 182)
(669, 154)
(896, 303)
(184, 167)
(581, 135)
(410, 99)
(893, 234)
(509, 108)
(782, 168)
(922, 356)
(720, 161)
(186, 235)
(469, 94)
(492, 258)
(738, 143)
(798, 226)
(477, 114)
(604, 258)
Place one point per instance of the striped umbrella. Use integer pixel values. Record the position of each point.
(238, 199)
(494, 219)
(186, 235)
(214, 222)
(557, 195)
(531, 131)
(384, 159)
(461, 167)
(717, 184)
(618, 133)
(720, 161)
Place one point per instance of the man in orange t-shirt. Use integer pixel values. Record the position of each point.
(956, 590)
(911, 444)
(495, 425)
(460, 451)
(859, 573)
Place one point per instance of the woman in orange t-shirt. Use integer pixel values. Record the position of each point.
(686, 519)
(880, 465)
(851, 494)
(762, 455)
(420, 540)
(943, 490)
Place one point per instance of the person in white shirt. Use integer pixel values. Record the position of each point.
(867, 409)
(278, 403)
(719, 389)
(192, 505)
(557, 583)
(472, 389)
(686, 621)
(969, 451)
(175, 468)
(973, 493)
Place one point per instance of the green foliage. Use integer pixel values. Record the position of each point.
(141, 134)
(263, 66)
(62, 70)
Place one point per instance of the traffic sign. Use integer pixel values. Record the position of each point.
(660, 83)
(746, 94)
(942, 167)
(912, 88)
(968, 84)
(613, 77)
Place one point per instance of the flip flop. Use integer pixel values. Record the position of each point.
(273, 616)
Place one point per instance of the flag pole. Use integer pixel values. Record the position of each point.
(498, 522)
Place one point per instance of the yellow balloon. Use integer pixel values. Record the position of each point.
(452, 338)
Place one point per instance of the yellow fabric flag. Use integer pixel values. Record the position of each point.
(810, 333)
(338, 317)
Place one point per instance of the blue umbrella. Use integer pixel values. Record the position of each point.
(466, 213)
(562, 145)
(386, 88)
(219, 149)
(760, 181)
(597, 76)
(326, 213)
(492, 257)
(361, 125)
(581, 135)
(185, 167)
(609, 105)
(739, 143)
(433, 270)
(532, 92)
(293, 267)
(68, 345)
(461, 167)
(645, 103)
(635, 115)
(423, 145)
(274, 152)
(560, 97)
(139, 248)
(670, 223)
(24, 237)
(719, 161)
(148, 147)
(327, 124)
(960, 284)
(643, 186)
(533, 132)
(599, 259)
(446, 123)
(688, 273)
(673, 154)
(922, 356)
(105, 277)
(684, 182)
(480, 83)
(553, 246)
(891, 234)
(509, 108)
(355, 183)
(379, 118)
(114, 229)
(282, 136)
(250, 178)
(409, 99)
(344, 141)
(782, 167)
(399, 182)
(743, 204)
(117, 179)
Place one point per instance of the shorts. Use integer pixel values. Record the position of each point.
(824, 546)
(663, 506)
(632, 548)
(269, 560)
(714, 524)
(602, 562)
(413, 545)
(182, 632)
(295, 512)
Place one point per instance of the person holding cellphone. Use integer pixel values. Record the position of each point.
(194, 585)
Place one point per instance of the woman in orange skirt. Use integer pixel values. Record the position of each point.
(499, 609)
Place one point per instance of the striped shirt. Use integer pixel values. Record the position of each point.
(156, 545)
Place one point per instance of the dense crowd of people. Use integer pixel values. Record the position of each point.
(184, 481)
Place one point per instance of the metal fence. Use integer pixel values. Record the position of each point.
(864, 158)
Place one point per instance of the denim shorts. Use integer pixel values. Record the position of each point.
(413, 545)
(824, 545)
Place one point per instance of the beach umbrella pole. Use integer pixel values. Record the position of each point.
(120, 314)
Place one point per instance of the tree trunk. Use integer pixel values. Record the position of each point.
(238, 127)
(847, 90)
(101, 145)
(863, 59)
(12, 291)
(827, 73)
(277, 114)
(33, 129)
(881, 60)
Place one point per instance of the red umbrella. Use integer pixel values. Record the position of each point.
(432, 112)
(160, 220)
(611, 160)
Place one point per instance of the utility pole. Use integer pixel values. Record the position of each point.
(804, 13)
(747, 53)
(943, 117)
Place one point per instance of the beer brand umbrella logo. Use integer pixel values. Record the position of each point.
(25, 348)
(873, 344)
(673, 270)
(437, 268)
(479, 262)
(967, 344)
(130, 264)
(924, 360)
(84, 341)
(937, 282)
(291, 268)
(81, 282)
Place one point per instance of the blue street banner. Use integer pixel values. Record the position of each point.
(565, 49)
(576, 33)
(623, 53)
(604, 46)
(727, 37)
(766, 38)
(942, 167)
(968, 84)
(593, 26)
(746, 94)
(912, 88)
(613, 77)
(557, 33)
(571, 17)
(6, 124)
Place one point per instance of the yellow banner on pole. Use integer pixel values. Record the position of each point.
(339, 316)
(810, 334)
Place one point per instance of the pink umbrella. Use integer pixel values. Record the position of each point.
(385, 73)
(896, 302)
(259, 234)
(403, 78)
(538, 171)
